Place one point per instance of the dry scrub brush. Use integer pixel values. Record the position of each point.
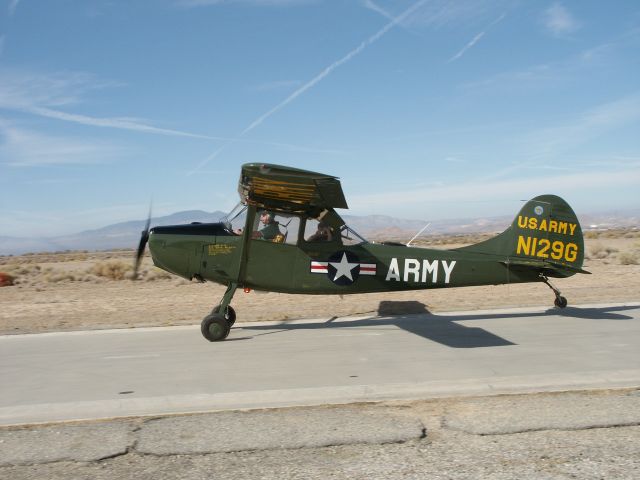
(600, 252)
(120, 270)
(629, 257)
(112, 270)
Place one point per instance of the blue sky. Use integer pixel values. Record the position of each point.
(424, 109)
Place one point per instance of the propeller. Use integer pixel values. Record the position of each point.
(144, 238)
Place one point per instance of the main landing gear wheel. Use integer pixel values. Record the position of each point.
(560, 302)
(229, 315)
(215, 327)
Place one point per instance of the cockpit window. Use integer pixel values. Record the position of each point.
(319, 231)
(236, 218)
(350, 236)
(316, 231)
(276, 227)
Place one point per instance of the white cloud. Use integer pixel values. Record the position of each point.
(559, 21)
(20, 89)
(497, 191)
(376, 8)
(442, 13)
(546, 74)
(25, 148)
(13, 4)
(583, 127)
(446, 13)
(44, 94)
(256, 3)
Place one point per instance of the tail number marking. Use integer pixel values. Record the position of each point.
(544, 248)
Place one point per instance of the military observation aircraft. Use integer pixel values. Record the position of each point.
(292, 240)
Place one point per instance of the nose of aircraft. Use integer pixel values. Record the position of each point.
(178, 248)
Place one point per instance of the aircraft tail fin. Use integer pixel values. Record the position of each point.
(546, 234)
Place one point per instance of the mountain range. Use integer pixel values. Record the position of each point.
(378, 227)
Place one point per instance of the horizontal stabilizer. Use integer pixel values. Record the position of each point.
(544, 264)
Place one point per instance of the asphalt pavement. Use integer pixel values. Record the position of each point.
(592, 434)
(152, 371)
(527, 393)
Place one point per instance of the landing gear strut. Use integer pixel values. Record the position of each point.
(216, 326)
(560, 301)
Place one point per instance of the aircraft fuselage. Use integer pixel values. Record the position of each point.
(327, 268)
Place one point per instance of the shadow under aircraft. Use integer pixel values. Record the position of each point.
(443, 329)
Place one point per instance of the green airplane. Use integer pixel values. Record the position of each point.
(292, 240)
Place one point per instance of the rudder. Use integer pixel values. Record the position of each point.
(546, 232)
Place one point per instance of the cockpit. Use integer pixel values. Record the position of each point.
(292, 228)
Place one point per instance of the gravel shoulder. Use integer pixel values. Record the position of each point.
(76, 291)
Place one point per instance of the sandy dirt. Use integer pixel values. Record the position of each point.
(77, 291)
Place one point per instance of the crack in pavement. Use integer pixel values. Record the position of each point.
(301, 428)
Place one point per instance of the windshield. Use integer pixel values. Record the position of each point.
(235, 218)
(350, 236)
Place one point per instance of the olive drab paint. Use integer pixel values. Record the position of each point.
(543, 241)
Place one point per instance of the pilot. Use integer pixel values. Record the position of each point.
(270, 229)
(322, 235)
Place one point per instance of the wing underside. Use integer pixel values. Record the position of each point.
(285, 188)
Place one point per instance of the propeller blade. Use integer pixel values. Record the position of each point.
(144, 239)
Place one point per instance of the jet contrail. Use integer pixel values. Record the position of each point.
(475, 39)
(119, 123)
(375, 37)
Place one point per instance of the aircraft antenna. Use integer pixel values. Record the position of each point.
(418, 234)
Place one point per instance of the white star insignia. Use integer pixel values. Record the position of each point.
(343, 268)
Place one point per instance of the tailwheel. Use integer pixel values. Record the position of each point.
(560, 301)
(215, 327)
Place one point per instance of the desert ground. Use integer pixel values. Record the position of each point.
(93, 290)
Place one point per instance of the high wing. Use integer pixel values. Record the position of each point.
(289, 189)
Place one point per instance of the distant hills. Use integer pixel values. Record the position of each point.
(127, 234)
(118, 235)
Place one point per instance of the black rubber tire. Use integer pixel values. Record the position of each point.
(560, 302)
(230, 315)
(215, 328)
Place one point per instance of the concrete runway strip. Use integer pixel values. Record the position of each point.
(155, 371)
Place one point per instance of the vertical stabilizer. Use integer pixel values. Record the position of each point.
(546, 231)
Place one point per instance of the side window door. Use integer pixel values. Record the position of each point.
(273, 250)
(276, 227)
(317, 233)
